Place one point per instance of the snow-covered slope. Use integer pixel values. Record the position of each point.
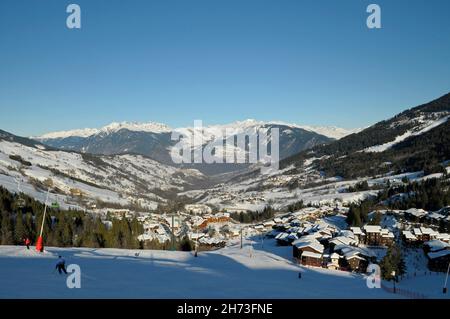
(230, 273)
(331, 131)
(423, 125)
(122, 179)
(227, 273)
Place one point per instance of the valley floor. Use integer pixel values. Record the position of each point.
(252, 272)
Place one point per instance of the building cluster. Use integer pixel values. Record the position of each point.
(373, 235)
(162, 227)
(436, 245)
(419, 229)
(318, 238)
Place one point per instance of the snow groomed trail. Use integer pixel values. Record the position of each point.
(231, 272)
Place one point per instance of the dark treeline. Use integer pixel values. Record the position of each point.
(254, 216)
(431, 195)
(425, 152)
(21, 217)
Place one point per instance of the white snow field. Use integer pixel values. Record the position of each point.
(227, 273)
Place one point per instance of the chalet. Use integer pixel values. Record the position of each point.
(311, 259)
(435, 217)
(214, 219)
(355, 262)
(341, 240)
(427, 234)
(259, 228)
(439, 261)
(302, 245)
(373, 235)
(269, 224)
(325, 233)
(409, 238)
(359, 234)
(283, 239)
(211, 243)
(387, 237)
(418, 233)
(415, 214)
(277, 221)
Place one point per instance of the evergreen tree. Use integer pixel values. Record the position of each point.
(7, 231)
(393, 261)
(19, 230)
(186, 244)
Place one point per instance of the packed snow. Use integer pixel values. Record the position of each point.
(252, 272)
(424, 127)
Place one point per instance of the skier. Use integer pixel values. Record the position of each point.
(27, 242)
(61, 265)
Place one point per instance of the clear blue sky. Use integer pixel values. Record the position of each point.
(308, 62)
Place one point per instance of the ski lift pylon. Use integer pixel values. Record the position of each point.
(20, 200)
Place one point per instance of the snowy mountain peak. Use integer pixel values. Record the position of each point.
(328, 131)
(71, 133)
(152, 127)
(331, 131)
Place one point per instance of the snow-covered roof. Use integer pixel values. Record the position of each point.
(281, 236)
(312, 255)
(444, 237)
(353, 256)
(312, 244)
(356, 230)
(408, 235)
(438, 254)
(387, 234)
(417, 212)
(347, 233)
(426, 231)
(372, 229)
(342, 240)
(436, 245)
(435, 216)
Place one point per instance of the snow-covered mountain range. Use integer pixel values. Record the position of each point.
(155, 140)
(153, 127)
(83, 179)
(315, 168)
(414, 144)
(114, 127)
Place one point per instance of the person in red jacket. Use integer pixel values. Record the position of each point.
(27, 243)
